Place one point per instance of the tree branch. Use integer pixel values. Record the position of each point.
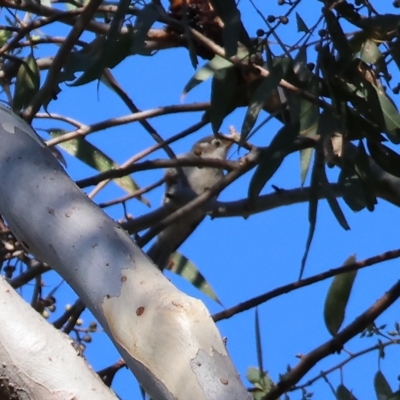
(52, 75)
(336, 343)
(340, 365)
(155, 164)
(256, 301)
(246, 164)
(84, 130)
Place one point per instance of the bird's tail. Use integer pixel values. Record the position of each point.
(171, 238)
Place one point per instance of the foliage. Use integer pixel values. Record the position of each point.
(330, 90)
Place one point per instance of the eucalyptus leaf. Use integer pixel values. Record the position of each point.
(301, 25)
(233, 30)
(382, 388)
(261, 381)
(143, 22)
(385, 157)
(390, 115)
(338, 297)
(309, 114)
(223, 89)
(27, 83)
(353, 193)
(272, 158)
(342, 393)
(4, 36)
(312, 214)
(339, 39)
(182, 266)
(370, 52)
(332, 201)
(260, 96)
(95, 158)
(258, 341)
(205, 72)
(396, 396)
(363, 170)
(108, 57)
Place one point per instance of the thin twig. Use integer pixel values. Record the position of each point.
(256, 301)
(340, 365)
(335, 344)
(145, 124)
(155, 164)
(133, 195)
(84, 130)
(51, 79)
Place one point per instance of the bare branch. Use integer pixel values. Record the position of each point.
(256, 301)
(52, 75)
(155, 164)
(336, 343)
(340, 365)
(84, 130)
(133, 195)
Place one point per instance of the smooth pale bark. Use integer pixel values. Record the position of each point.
(167, 339)
(39, 362)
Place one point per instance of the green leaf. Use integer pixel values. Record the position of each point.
(301, 25)
(363, 170)
(188, 36)
(95, 158)
(396, 396)
(144, 21)
(390, 115)
(258, 341)
(261, 381)
(353, 193)
(27, 83)
(4, 36)
(233, 30)
(338, 37)
(223, 88)
(205, 72)
(385, 157)
(253, 375)
(308, 128)
(108, 56)
(312, 214)
(370, 52)
(379, 25)
(338, 297)
(182, 266)
(332, 201)
(259, 98)
(272, 158)
(382, 388)
(70, 6)
(342, 393)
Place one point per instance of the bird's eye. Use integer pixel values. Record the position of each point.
(217, 142)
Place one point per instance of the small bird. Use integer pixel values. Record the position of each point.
(178, 193)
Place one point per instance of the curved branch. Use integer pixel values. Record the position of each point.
(335, 344)
(246, 164)
(126, 119)
(256, 301)
(52, 75)
(156, 164)
(340, 365)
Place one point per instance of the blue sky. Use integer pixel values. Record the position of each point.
(243, 258)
